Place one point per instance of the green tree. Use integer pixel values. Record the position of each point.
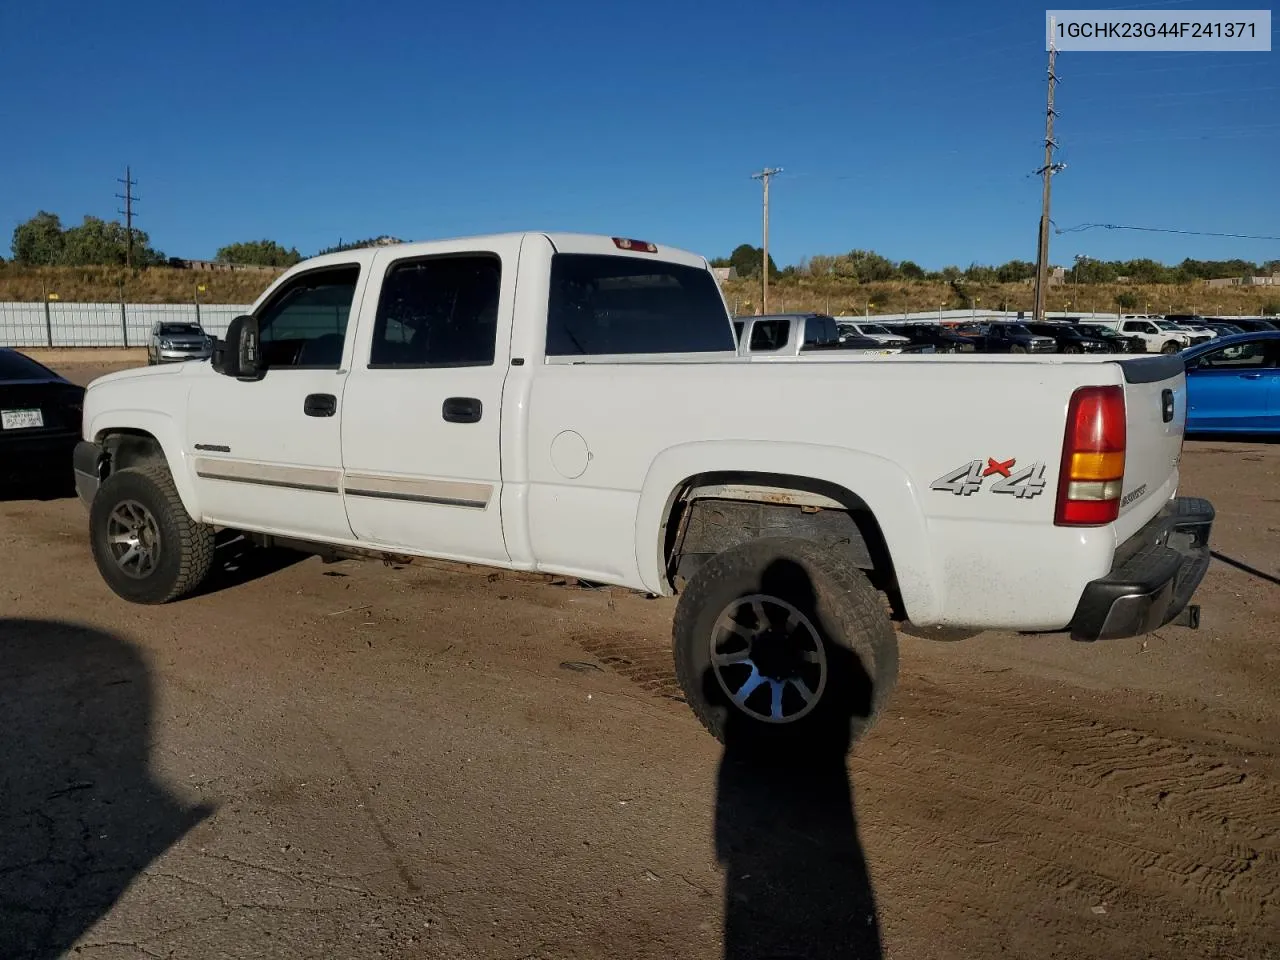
(720, 262)
(1126, 300)
(977, 273)
(258, 253)
(910, 270)
(106, 242)
(746, 260)
(1015, 270)
(38, 240)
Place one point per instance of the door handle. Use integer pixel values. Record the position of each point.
(462, 410)
(320, 405)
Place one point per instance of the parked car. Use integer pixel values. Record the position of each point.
(1233, 384)
(576, 404)
(1118, 342)
(1222, 328)
(1153, 337)
(1247, 324)
(1069, 338)
(178, 341)
(39, 424)
(853, 327)
(1006, 338)
(781, 335)
(933, 335)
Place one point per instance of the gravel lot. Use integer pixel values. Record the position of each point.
(359, 760)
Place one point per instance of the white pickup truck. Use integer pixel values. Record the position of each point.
(576, 405)
(809, 335)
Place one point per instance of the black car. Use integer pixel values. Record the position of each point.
(1006, 338)
(930, 334)
(39, 424)
(1247, 324)
(1118, 342)
(1071, 339)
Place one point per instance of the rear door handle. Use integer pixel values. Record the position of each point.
(320, 405)
(462, 410)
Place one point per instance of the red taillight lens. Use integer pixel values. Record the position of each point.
(1092, 473)
(636, 246)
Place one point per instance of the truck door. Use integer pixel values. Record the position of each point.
(267, 453)
(421, 421)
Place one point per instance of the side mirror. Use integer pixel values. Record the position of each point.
(238, 355)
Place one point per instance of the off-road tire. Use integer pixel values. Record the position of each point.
(861, 646)
(1171, 347)
(1017, 348)
(1072, 348)
(185, 552)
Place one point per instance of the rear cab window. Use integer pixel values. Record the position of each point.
(602, 305)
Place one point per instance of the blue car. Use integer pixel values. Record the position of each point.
(1233, 384)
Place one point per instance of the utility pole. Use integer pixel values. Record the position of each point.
(764, 176)
(1047, 172)
(129, 200)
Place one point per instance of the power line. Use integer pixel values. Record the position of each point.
(763, 176)
(129, 200)
(1194, 233)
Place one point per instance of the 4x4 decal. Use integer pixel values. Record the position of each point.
(968, 479)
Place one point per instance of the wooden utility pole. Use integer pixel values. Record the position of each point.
(129, 200)
(1047, 172)
(764, 176)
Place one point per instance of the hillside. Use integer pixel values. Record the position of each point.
(831, 294)
(843, 296)
(113, 284)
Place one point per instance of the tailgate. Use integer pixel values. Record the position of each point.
(1155, 413)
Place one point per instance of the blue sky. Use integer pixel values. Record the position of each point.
(909, 128)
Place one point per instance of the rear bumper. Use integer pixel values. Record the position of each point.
(21, 457)
(1154, 575)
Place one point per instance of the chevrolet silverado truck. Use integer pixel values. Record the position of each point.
(576, 405)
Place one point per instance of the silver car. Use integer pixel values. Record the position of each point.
(171, 341)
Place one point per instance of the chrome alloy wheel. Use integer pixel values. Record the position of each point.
(768, 659)
(134, 538)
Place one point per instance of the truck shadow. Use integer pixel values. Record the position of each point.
(81, 815)
(237, 561)
(796, 882)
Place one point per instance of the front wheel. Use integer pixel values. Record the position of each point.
(1072, 348)
(784, 649)
(1017, 348)
(147, 547)
(1171, 347)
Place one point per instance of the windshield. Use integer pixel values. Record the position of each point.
(1169, 325)
(1016, 329)
(179, 329)
(876, 328)
(1093, 331)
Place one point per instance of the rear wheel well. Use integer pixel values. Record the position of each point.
(713, 512)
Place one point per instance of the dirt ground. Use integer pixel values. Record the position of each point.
(358, 760)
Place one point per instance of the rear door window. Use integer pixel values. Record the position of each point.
(602, 305)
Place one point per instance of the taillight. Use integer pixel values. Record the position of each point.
(637, 246)
(1092, 472)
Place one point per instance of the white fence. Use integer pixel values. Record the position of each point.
(56, 324)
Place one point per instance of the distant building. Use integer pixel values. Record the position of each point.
(215, 266)
(724, 273)
(1255, 281)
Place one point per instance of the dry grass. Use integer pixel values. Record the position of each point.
(834, 295)
(837, 296)
(113, 284)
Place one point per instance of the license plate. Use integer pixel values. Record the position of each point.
(21, 419)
